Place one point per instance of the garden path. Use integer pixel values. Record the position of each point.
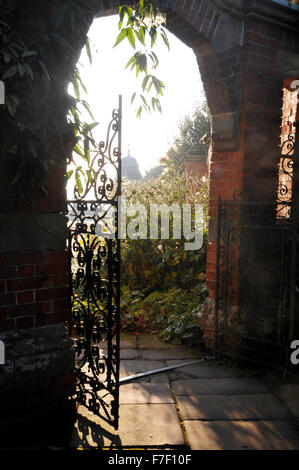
(206, 406)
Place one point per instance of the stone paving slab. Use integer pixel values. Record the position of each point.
(227, 407)
(159, 378)
(130, 367)
(176, 354)
(128, 340)
(289, 394)
(129, 354)
(152, 379)
(227, 386)
(222, 407)
(145, 393)
(241, 435)
(149, 341)
(140, 425)
(205, 370)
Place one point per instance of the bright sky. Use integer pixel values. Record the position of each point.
(150, 136)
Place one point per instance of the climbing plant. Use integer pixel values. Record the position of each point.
(40, 43)
(39, 46)
(143, 24)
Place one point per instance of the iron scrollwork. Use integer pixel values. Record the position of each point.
(94, 270)
(285, 181)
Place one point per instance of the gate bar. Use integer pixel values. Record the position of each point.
(163, 369)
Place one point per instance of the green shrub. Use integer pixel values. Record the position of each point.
(163, 284)
(163, 264)
(173, 314)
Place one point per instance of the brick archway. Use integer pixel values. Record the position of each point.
(244, 51)
(216, 38)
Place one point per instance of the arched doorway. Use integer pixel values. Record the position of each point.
(244, 53)
(225, 130)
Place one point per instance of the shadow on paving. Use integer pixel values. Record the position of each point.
(87, 432)
(209, 405)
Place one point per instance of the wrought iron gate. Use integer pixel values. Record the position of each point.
(94, 271)
(257, 274)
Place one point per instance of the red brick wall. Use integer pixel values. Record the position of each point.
(34, 283)
(226, 181)
(33, 289)
(262, 101)
(241, 74)
(197, 169)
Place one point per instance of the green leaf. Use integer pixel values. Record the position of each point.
(145, 80)
(29, 54)
(9, 73)
(5, 24)
(41, 63)
(154, 103)
(122, 35)
(78, 182)
(137, 69)
(131, 37)
(133, 97)
(154, 58)
(88, 50)
(86, 106)
(158, 105)
(88, 155)
(91, 126)
(69, 174)
(132, 61)
(145, 103)
(165, 39)
(141, 35)
(78, 150)
(142, 61)
(149, 86)
(17, 46)
(153, 35)
(76, 88)
(12, 50)
(81, 83)
(7, 56)
(90, 176)
(21, 70)
(122, 12)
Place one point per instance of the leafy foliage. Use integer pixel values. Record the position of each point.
(194, 129)
(159, 267)
(40, 43)
(172, 314)
(154, 172)
(142, 25)
(39, 47)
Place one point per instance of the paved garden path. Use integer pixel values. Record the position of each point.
(205, 406)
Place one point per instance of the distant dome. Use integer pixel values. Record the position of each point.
(130, 168)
